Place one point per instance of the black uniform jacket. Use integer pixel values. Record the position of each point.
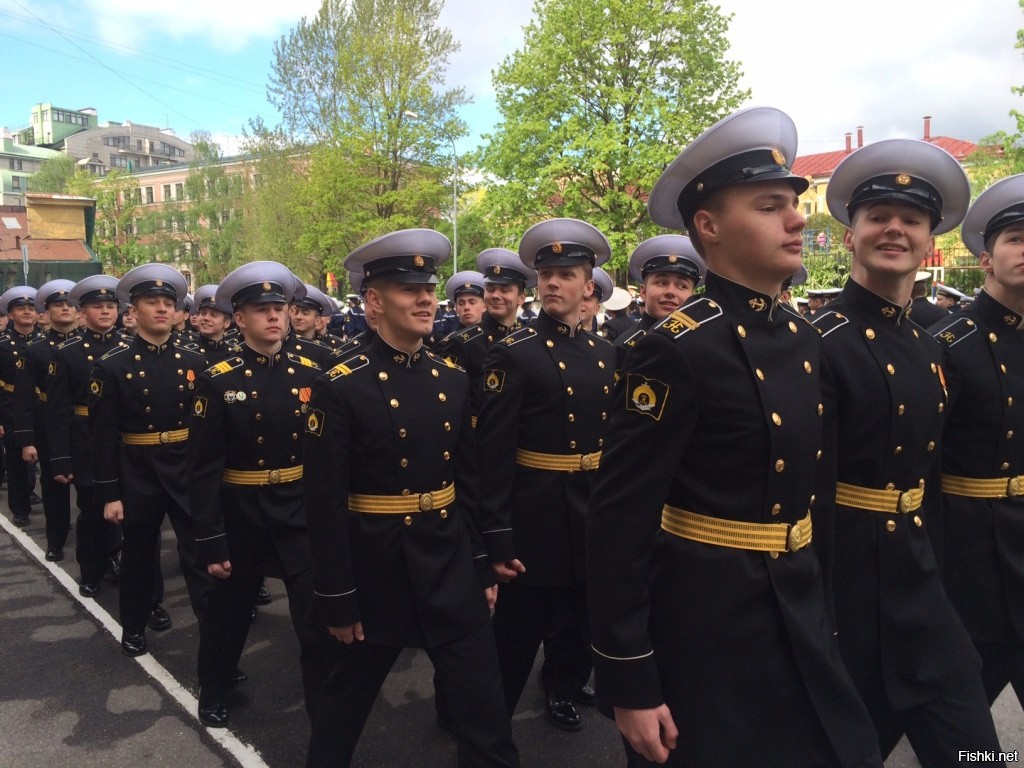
(386, 423)
(12, 361)
(926, 314)
(249, 415)
(30, 388)
(628, 339)
(546, 389)
(717, 412)
(67, 402)
(468, 347)
(885, 403)
(142, 388)
(983, 558)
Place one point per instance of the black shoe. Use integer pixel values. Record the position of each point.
(133, 644)
(585, 696)
(213, 712)
(34, 499)
(263, 597)
(21, 520)
(238, 678)
(113, 569)
(255, 614)
(159, 620)
(89, 589)
(562, 713)
(55, 554)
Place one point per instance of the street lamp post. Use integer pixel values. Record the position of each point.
(455, 193)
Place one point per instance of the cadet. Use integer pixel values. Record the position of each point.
(616, 314)
(541, 430)
(141, 398)
(369, 326)
(19, 303)
(982, 463)
(212, 324)
(668, 269)
(884, 397)
(708, 606)
(391, 491)
(67, 424)
(355, 317)
(948, 297)
(245, 484)
(591, 305)
(922, 311)
(307, 310)
(30, 389)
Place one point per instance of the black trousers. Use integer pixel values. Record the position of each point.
(522, 616)
(95, 538)
(56, 496)
(467, 671)
(566, 653)
(1002, 663)
(225, 619)
(21, 479)
(140, 558)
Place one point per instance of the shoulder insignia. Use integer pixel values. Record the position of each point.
(224, 366)
(698, 312)
(633, 338)
(347, 367)
(300, 360)
(521, 335)
(827, 322)
(121, 347)
(958, 330)
(446, 361)
(70, 341)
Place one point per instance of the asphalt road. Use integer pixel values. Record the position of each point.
(69, 697)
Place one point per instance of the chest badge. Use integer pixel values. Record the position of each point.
(646, 396)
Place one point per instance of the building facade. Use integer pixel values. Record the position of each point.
(17, 164)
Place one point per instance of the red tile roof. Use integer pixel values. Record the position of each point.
(824, 163)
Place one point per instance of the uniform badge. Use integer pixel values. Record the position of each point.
(190, 375)
(240, 396)
(903, 179)
(646, 396)
(96, 387)
(200, 408)
(494, 380)
(20, 363)
(778, 157)
(304, 394)
(52, 369)
(229, 396)
(758, 304)
(315, 422)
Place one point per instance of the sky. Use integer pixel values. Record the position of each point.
(204, 64)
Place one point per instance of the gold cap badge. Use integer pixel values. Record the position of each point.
(903, 179)
(418, 261)
(778, 157)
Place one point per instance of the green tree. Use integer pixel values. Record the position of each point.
(600, 98)
(117, 218)
(53, 175)
(359, 91)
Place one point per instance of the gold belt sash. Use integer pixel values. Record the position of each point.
(472, 421)
(7, 387)
(390, 505)
(759, 537)
(262, 476)
(983, 488)
(41, 396)
(81, 410)
(557, 462)
(155, 438)
(880, 500)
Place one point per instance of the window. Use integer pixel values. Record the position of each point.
(149, 194)
(16, 182)
(167, 192)
(138, 144)
(15, 164)
(179, 191)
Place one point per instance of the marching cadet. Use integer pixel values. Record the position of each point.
(67, 424)
(141, 400)
(884, 400)
(245, 484)
(19, 303)
(948, 297)
(591, 305)
(922, 311)
(30, 390)
(668, 269)
(540, 435)
(391, 490)
(707, 605)
(307, 311)
(982, 465)
(465, 291)
(212, 324)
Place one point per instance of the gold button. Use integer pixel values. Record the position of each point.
(383, 376)
(446, 455)
(259, 440)
(821, 409)
(780, 465)
(295, 435)
(606, 390)
(1009, 434)
(942, 407)
(260, 463)
(934, 368)
(447, 426)
(258, 416)
(568, 390)
(248, 372)
(550, 343)
(148, 409)
(915, 333)
(600, 363)
(931, 445)
(918, 521)
(777, 419)
(408, 520)
(561, 365)
(138, 357)
(776, 509)
(1005, 465)
(890, 486)
(572, 417)
(1009, 401)
(291, 370)
(807, 366)
(813, 499)
(394, 403)
(792, 326)
(572, 443)
(992, 337)
(773, 555)
(741, 331)
(434, 373)
(142, 374)
(402, 432)
(817, 456)
(404, 462)
(869, 333)
(890, 369)
(898, 450)
(443, 514)
(901, 409)
(1002, 367)
(760, 373)
(600, 442)
(890, 525)
(442, 396)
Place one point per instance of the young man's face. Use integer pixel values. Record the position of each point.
(562, 290)
(130, 319)
(212, 322)
(589, 308)
(404, 310)
(62, 313)
(944, 301)
(753, 232)
(154, 314)
(665, 292)
(469, 308)
(503, 300)
(1005, 264)
(889, 238)
(303, 319)
(263, 324)
(24, 317)
(100, 315)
